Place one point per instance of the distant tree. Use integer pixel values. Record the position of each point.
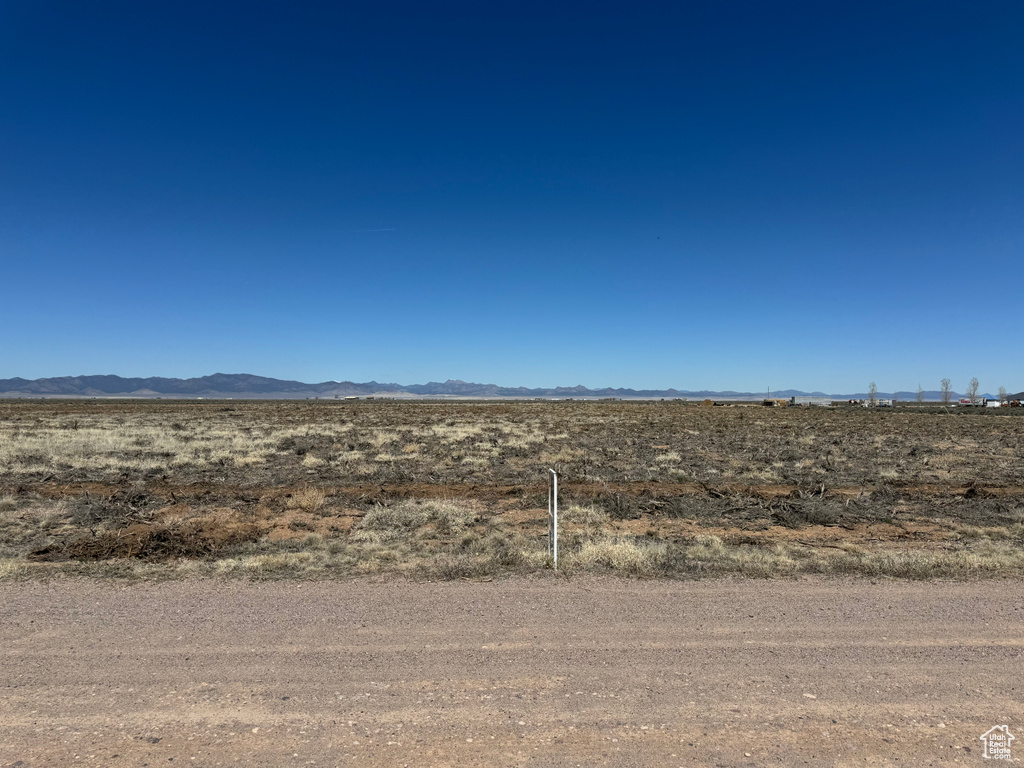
(945, 391)
(872, 392)
(920, 394)
(972, 391)
(1003, 395)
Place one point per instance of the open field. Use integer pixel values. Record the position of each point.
(447, 490)
(520, 672)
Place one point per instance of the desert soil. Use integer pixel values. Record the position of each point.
(519, 672)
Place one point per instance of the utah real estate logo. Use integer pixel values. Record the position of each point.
(997, 742)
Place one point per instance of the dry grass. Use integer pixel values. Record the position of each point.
(460, 539)
(395, 488)
(496, 553)
(502, 443)
(630, 557)
(310, 499)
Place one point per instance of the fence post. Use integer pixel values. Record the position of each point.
(553, 516)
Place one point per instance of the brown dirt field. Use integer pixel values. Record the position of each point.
(520, 672)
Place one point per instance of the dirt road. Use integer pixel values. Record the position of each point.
(526, 672)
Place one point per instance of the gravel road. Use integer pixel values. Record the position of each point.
(524, 672)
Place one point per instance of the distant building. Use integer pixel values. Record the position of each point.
(822, 402)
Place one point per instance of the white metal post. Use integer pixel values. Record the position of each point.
(553, 516)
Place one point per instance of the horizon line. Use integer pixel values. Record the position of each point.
(732, 391)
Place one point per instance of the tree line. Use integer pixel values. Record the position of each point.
(946, 390)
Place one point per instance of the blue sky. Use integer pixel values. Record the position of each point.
(690, 195)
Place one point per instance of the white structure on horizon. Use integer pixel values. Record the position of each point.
(821, 402)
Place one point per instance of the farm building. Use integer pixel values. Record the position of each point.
(823, 402)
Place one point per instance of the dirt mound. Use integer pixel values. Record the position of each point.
(176, 538)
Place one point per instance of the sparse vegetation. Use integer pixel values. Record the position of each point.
(456, 490)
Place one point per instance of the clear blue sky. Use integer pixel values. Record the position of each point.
(692, 195)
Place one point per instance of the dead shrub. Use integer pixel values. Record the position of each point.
(195, 538)
(799, 513)
(451, 566)
(118, 510)
(408, 516)
(588, 516)
(504, 551)
(621, 506)
(309, 499)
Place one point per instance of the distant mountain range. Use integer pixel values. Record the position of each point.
(244, 385)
